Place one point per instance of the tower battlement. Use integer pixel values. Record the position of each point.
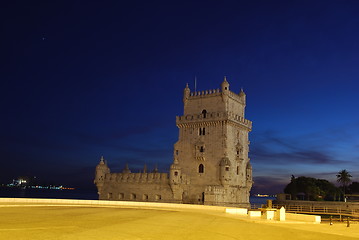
(137, 177)
(215, 93)
(206, 93)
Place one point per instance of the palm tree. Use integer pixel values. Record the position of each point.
(343, 177)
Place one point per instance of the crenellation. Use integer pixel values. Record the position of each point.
(206, 93)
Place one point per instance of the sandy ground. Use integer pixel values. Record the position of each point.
(69, 222)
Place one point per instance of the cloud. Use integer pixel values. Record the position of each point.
(314, 149)
(268, 185)
(299, 157)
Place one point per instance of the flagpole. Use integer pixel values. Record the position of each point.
(195, 83)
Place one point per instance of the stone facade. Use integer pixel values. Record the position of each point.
(210, 159)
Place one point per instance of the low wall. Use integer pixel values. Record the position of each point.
(303, 217)
(239, 211)
(95, 203)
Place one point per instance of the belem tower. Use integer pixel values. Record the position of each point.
(210, 159)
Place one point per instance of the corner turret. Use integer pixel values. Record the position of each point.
(225, 176)
(225, 85)
(249, 180)
(242, 96)
(100, 174)
(175, 173)
(176, 180)
(186, 93)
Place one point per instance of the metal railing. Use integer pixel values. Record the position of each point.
(320, 210)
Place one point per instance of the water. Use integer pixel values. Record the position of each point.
(259, 201)
(80, 194)
(48, 193)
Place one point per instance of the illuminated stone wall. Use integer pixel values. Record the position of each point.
(210, 159)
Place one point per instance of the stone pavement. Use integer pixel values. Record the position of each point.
(88, 222)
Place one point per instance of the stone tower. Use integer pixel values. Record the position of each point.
(212, 149)
(210, 159)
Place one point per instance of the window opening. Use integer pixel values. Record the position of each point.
(133, 196)
(201, 168)
(121, 196)
(204, 113)
(202, 131)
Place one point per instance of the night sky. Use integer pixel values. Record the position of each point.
(82, 79)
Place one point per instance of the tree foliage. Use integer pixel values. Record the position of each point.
(353, 188)
(343, 178)
(307, 188)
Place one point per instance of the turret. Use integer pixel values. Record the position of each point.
(224, 171)
(186, 93)
(242, 96)
(175, 173)
(225, 85)
(176, 180)
(101, 170)
(126, 169)
(249, 180)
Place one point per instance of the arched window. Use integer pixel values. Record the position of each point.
(201, 149)
(201, 168)
(204, 113)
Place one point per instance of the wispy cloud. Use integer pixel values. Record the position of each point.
(315, 148)
(268, 185)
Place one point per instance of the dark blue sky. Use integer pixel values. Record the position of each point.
(81, 79)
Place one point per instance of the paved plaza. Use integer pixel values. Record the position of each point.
(88, 222)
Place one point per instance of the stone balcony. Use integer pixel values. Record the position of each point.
(213, 117)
